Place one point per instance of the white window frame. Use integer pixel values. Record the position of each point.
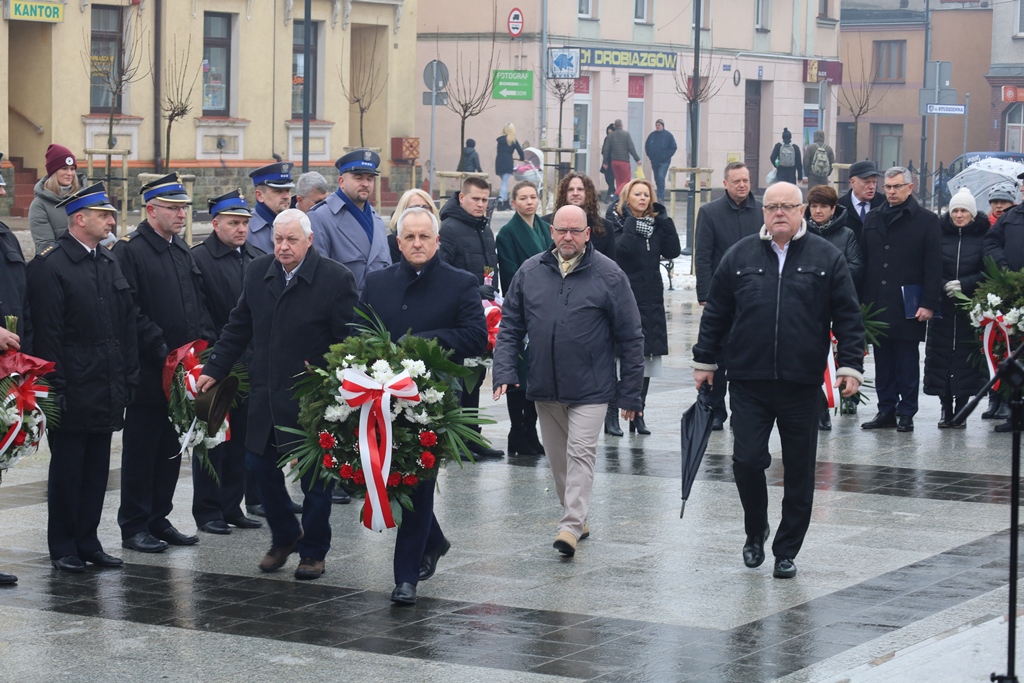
(645, 4)
(762, 15)
(589, 13)
(1020, 17)
(705, 14)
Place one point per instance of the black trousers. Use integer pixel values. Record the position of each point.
(757, 406)
(149, 470)
(419, 531)
(79, 467)
(212, 501)
(898, 376)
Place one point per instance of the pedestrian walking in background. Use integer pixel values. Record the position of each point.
(786, 159)
(620, 149)
(606, 162)
(503, 163)
(819, 158)
(46, 220)
(660, 147)
(644, 235)
(470, 161)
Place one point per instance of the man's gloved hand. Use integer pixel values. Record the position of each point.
(488, 292)
(951, 287)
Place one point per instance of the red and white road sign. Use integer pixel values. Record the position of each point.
(515, 22)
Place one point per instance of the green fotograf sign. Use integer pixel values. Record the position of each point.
(28, 10)
(512, 85)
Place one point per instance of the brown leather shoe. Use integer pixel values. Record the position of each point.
(565, 543)
(309, 569)
(278, 555)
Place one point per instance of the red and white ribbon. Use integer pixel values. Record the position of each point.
(829, 385)
(993, 327)
(492, 313)
(24, 394)
(374, 402)
(193, 368)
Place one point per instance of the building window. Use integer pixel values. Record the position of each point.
(105, 59)
(1015, 128)
(298, 57)
(216, 64)
(823, 9)
(1020, 17)
(586, 9)
(762, 15)
(890, 61)
(705, 13)
(640, 11)
(888, 144)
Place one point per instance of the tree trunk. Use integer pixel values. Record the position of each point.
(362, 114)
(856, 121)
(561, 108)
(462, 136)
(110, 135)
(167, 146)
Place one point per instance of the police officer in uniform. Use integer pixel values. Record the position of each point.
(273, 195)
(346, 229)
(84, 320)
(222, 258)
(167, 287)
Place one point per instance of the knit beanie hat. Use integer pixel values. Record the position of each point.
(57, 157)
(963, 199)
(1005, 192)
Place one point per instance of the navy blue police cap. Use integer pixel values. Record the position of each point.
(230, 204)
(277, 175)
(167, 188)
(359, 161)
(92, 197)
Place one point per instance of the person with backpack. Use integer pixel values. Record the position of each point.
(820, 159)
(786, 159)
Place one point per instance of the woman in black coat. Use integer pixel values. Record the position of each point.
(948, 369)
(503, 164)
(644, 235)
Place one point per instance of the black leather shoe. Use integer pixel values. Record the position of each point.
(430, 558)
(880, 421)
(144, 542)
(339, 496)
(784, 569)
(717, 424)
(482, 452)
(753, 549)
(404, 594)
(244, 522)
(215, 526)
(70, 564)
(7, 579)
(1004, 427)
(995, 401)
(256, 510)
(296, 508)
(175, 537)
(848, 406)
(102, 559)
(825, 421)
(905, 424)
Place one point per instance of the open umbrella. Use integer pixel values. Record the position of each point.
(981, 177)
(694, 432)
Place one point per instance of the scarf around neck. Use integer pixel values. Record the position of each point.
(363, 216)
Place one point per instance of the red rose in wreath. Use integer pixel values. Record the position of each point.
(427, 459)
(394, 479)
(410, 480)
(327, 441)
(346, 471)
(428, 439)
(359, 478)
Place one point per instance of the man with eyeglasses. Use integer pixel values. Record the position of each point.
(168, 290)
(578, 310)
(902, 247)
(863, 195)
(773, 301)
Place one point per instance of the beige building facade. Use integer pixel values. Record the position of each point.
(236, 64)
(759, 55)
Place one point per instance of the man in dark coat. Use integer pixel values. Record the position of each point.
(467, 242)
(84, 321)
(660, 148)
(862, 196)
(786, 158)
(1005, 240)
(222, 258)
(294, 305)
(722, 223)
(577, 308)
(168, 291)
(773, 302)
(902, 247)
(424, 296)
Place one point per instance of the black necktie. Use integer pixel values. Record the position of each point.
(862, 205)
(92, 254)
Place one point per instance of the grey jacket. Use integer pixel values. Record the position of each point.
(575, 325)
(619, 146)
(45, 220)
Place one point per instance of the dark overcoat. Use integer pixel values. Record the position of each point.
(13, 294)
(503, 155)
(467, 241)
(168, 290)
(853, 221)
(441, 303)
(287, 326)
(901, 246)
(1005, 240)
(842, 238)
(722, 223)
(84, 320)
(640, 259)
(952, 339)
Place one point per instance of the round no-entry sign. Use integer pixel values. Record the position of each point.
(515, 22)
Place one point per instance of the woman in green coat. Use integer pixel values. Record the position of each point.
(524, 236)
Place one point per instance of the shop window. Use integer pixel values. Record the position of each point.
(887, 144)
(105, 59)
(216, 64)
(1015, 128)
(298, 61)
(890, 61)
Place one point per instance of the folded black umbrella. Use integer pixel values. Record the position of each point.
(694, 432)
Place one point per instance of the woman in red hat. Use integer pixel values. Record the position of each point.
(46, 221)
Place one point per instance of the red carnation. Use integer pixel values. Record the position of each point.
(358, 477)
(327, 441)
(410, 480)
(394, 479)
(427, 458)
(428, 439)
(328, 461)
(20, 438)
(346, 471)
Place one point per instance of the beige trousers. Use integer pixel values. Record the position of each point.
(570, 434)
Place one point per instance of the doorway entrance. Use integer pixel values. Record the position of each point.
(752, 132)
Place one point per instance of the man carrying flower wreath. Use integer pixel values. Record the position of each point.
(294, 305)
(425, 297)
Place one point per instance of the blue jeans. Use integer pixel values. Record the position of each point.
(660, 171)
(316, 507)
(503, 193)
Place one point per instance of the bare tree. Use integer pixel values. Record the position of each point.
(114, 72)
(562, 89)
(469, 86)
(365, 85)
(177, 101)
(860, 99)
(696, 90)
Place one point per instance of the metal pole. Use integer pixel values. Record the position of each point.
(935, 124)
(924, 119)
(307, 59)
(544, 61)
(433, 122)
(967, 118)
(691, 196)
